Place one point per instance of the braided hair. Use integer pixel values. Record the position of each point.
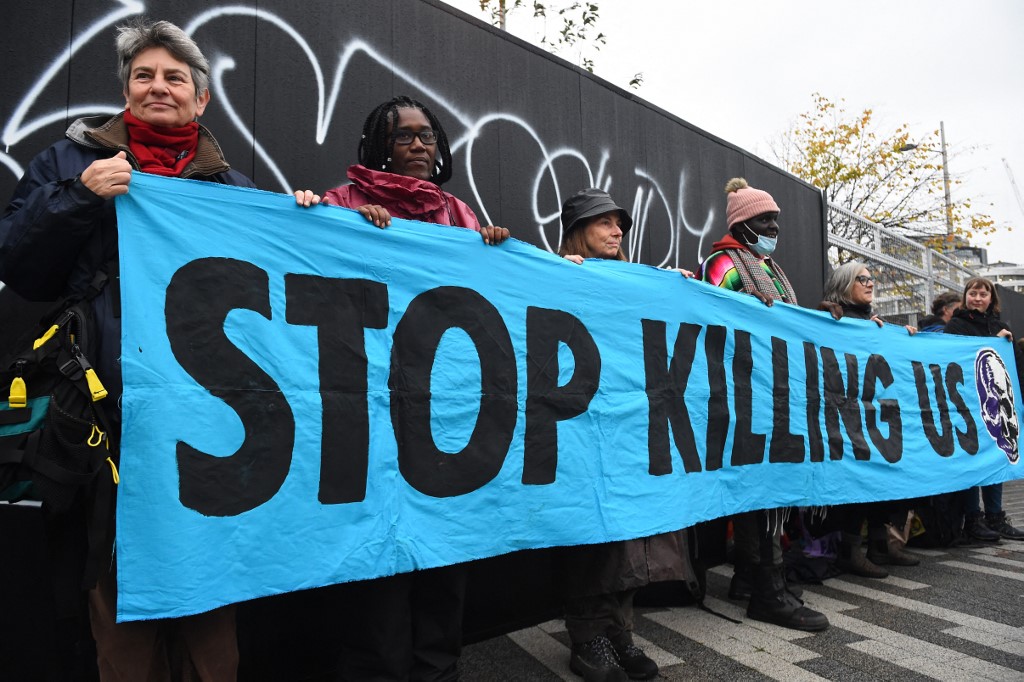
(376, 144)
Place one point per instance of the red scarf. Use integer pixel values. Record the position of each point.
(161, 151)
(404, 196)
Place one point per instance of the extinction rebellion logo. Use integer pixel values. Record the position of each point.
(995, 393)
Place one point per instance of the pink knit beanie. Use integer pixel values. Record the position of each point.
(744, 202)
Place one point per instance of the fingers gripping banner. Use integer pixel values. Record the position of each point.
(310, 400)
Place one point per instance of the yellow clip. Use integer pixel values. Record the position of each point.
(97, 435)
(45, 337)
(19, 394)
(95, 385)
(113, 470)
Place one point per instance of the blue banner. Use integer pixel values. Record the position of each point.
(309, 400)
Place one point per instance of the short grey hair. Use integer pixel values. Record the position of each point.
(840, 282)
(139, 35)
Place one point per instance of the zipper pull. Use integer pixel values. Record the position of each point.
(52, 330)
(19, 392)
(96, 388)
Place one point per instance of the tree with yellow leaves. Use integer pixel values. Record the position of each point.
(880, 175)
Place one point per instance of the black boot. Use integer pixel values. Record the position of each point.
(883, 550)
(772, 603)
(742, 584)
(851, 560)
(633, 660)
(1000, 523)
(742, 581)
(975, 526)
(595, 661)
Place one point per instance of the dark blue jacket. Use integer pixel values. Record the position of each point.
(56, 233)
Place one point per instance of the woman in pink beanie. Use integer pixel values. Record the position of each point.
(742, 261)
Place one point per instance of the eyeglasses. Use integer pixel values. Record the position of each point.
(406, 136)
(864, 279)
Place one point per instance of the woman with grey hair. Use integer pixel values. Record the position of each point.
(59, 234)
(852, 287)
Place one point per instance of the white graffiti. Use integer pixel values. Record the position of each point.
(652, 209)
(15, 130)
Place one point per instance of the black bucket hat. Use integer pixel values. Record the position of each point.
(588, 203)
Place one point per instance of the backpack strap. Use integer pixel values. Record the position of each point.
(109, 272)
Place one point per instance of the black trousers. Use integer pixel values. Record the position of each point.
(406, 627)
(757, 538)
(609, 614)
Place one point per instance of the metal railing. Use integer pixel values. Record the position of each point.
(908, 275)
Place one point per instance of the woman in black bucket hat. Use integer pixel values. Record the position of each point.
(601, 580)
(593, 226)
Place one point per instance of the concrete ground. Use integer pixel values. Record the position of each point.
(957, 616)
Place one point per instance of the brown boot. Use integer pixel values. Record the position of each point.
(884, 549)
(851, 560)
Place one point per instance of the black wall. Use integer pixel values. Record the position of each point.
(527, 129)
(1012, 305)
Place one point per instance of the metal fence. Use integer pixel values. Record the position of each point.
(908, 275)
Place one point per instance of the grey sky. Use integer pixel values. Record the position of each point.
(744, 69)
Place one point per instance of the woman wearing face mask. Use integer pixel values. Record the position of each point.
(741, 261)
(852, 288)
(979, 316)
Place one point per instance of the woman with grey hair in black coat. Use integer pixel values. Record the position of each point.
(851, 286)
(58, 233)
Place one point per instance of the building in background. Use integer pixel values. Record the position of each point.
(1009, 275)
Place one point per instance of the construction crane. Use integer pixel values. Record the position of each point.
(1013, 183)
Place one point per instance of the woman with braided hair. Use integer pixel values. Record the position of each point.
(741, 261)
(407, 626)
(404, 158)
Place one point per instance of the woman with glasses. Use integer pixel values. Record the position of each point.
(407, 626)
(404, 159)
(852, 287)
